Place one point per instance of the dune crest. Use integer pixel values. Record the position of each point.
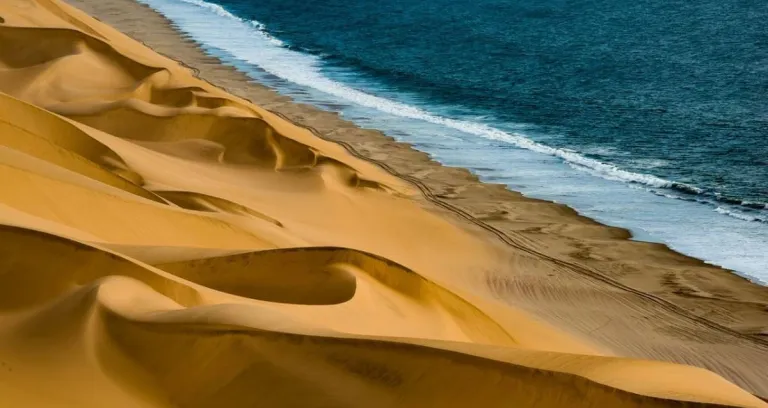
(166, 244)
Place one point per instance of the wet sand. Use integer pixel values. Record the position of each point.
(169, 241)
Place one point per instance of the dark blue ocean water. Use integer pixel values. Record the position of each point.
(679, 86)
(664, 102)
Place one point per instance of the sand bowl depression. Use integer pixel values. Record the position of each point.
(165, 243)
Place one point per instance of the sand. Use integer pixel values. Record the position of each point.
(167, 243)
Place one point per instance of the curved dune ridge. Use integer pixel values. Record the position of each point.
(166, 244)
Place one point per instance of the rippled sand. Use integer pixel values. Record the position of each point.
(167, 244)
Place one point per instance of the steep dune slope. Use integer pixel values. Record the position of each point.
(166, 244)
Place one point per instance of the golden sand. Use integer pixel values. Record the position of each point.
(164, 243)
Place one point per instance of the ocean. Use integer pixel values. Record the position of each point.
(650, 115)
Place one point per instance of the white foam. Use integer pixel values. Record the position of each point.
(739, 215)
(743, 247)
(222, 12)
(249, 41)
(217, 9)
(754, 204)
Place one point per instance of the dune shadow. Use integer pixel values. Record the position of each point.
(309, 276)
(204, 202)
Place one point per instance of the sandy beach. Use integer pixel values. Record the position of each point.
(175, 235)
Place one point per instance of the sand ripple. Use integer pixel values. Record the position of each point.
(166, 244)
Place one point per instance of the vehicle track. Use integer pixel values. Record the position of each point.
(502, 236)
(517, 244)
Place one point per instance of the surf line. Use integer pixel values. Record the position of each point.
(517, 242)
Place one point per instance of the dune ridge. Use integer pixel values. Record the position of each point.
(164, 243)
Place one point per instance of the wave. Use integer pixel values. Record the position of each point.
(740, 215)
(250, 42)
(731, 212)
(222, 12)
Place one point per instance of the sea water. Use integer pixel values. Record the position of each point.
(650, 115)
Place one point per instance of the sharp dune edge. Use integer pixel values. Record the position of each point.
(166, 244)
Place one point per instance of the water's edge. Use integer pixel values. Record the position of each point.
(562, 161)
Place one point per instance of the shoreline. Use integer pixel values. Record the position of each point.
(440, 187)
(209, 242)
(623, 202)
(717, 298)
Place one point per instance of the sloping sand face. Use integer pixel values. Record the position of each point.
(166, 244)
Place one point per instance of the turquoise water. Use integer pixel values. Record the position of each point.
(650, 115)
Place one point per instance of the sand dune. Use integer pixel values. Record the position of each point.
(166, 244)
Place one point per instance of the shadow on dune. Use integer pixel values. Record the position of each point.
(204, 202)
(307, 276)
(214, 320)
(142, 104)
(40, 134)
(140, 327)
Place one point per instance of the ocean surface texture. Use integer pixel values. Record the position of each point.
(646, 114)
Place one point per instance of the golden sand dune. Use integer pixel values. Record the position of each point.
(166, 244)
(113, 330)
